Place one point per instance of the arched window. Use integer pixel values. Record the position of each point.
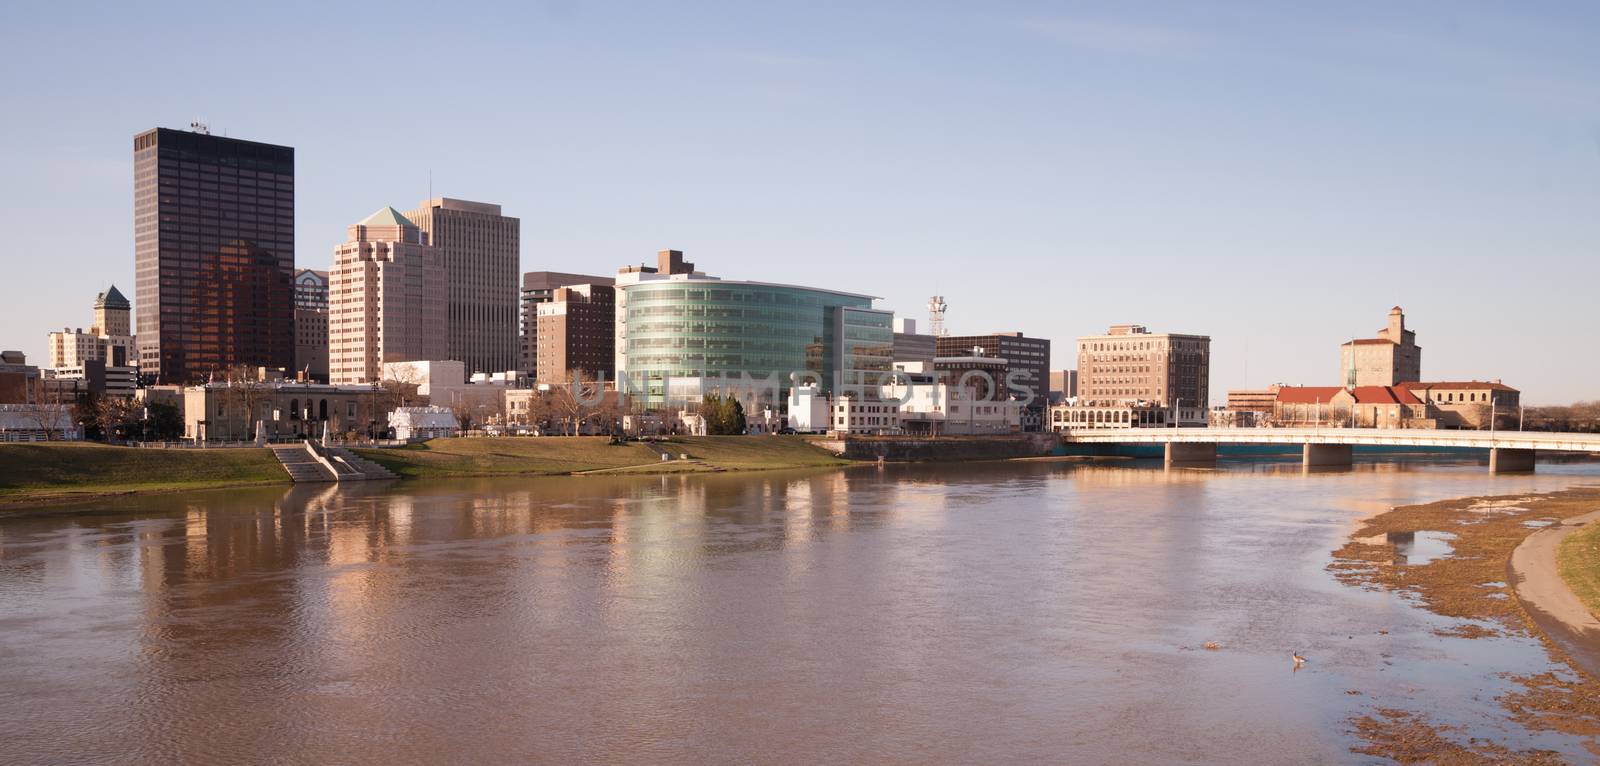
(322, 410)
(294, 409)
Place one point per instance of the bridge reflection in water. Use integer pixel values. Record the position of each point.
(1509, 451)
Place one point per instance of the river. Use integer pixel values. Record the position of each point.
(981, 613)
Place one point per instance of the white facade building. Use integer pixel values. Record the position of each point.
(424, 423)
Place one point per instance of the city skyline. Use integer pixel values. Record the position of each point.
(1058, 156)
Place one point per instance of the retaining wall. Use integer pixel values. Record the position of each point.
(941, 448)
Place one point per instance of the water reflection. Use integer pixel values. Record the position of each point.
(980, 612)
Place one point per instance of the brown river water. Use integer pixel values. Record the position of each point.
(979, 613)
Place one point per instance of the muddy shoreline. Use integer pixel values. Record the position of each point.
(1467, 574)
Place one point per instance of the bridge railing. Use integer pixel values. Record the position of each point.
(1414, 437)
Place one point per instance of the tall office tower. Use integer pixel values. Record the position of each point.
(540, 287)
(1130, 364)
(213, 228)
(385, 299)
(481, 250)
(311, 324)
(575, 334)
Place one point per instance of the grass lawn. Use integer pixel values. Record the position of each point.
(753, 453)
(535, 455)
(529, 455)
(1579, 562)
(30, 472)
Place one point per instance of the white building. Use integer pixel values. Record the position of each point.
(939, 408)
(37, 423)
(424, 423)
(916, 405)
(809, 410)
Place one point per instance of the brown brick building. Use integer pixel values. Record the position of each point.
(576, 331)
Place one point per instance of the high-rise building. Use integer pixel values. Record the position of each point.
(108, 337)
(311, 289)
(481, 250)
(1130, 364)
(111, 314)
(575, 334)
(311, 324)
(214, 254)
(1393, 357)
(913, 350)
(539, 287)
(386, 299)
(1030, 356)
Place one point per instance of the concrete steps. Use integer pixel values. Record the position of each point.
(367, 468)
(302, 467)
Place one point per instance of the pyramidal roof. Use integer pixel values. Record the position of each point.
(112, 298)
(387, 217)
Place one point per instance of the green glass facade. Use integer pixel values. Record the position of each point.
(711, 329)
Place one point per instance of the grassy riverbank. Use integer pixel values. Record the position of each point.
(1580, 565)
(536, 456)
(58, 471)
(35, 474)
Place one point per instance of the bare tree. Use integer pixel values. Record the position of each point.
(582, 401)
(110, 413)
(50, 408)
(246, 391)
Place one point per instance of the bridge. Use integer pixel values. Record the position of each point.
(1508, 450)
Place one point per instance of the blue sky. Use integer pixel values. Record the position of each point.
(1275, 176)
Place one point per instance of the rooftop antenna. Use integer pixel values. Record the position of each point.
(936, 309)
(199, 126)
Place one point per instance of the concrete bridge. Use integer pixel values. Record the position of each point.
(1508, 450)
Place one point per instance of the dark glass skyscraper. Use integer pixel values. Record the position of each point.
(213, 222)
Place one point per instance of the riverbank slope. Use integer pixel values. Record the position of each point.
(64, 471)
(57, 472)
(441, 458)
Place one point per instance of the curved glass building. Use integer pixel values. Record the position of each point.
(687, 335)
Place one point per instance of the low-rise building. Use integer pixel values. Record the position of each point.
(913, 404)
(1468, 404)
(38, 422)
(1358, 407)
(1077, 415)
(286, 410)
(409, 423)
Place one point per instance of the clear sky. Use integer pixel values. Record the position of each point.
(1275, 175)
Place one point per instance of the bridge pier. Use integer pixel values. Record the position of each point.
(1317, 455)
(1186, 452)
(1502, 460)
